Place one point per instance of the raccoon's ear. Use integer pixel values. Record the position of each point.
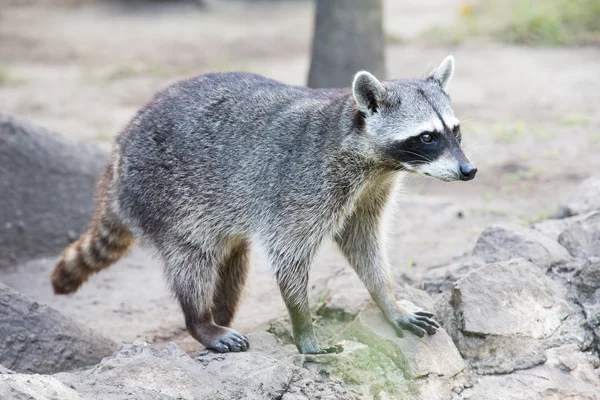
(368, 92)
(443, 73)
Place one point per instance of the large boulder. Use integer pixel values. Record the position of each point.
(568, 373)
(582, 237)
(35, 387)
(140, 371)
(502, 243)
(586, 198)
(505, 315)
(35, 338)
(46, 190)
(587, 292)
(416, 357)
(553, 227)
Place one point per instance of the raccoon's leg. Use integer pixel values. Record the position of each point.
(360, 241)
(292, 278)
(233, 272)
(192, 274)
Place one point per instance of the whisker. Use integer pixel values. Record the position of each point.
(417, 154)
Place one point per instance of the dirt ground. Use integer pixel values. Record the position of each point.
(530, 122)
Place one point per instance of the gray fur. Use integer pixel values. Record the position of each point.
(226, 160)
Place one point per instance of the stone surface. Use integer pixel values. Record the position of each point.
(140, 371)
(503, 242)
(35, 387)
(441, 278)
(504, 316)
(555, 226)
(416, 357)
(567, 374)
(509, 298)
(582, 237)
(586, 198)
(587, 291)
(54, 206)
(269, 370)
(35, 338)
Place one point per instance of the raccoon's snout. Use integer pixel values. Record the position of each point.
(467, 172)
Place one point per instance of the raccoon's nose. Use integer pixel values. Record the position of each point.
(467, 172)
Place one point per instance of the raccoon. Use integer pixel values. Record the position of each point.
(222, 162)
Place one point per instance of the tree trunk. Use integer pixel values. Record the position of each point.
(348, 38)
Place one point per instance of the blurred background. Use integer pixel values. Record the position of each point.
(526, 89)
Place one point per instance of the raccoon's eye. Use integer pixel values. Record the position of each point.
(456, 130)
(427, 137)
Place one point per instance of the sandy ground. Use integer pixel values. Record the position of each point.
(530, 122)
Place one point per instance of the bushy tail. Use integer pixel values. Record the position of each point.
(107, 240)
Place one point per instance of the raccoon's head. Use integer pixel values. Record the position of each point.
(412, 124)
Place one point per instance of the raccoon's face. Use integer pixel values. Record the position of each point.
(412, 124)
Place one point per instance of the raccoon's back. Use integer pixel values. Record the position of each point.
(216, 143)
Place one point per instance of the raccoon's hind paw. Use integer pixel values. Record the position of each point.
(230, 341)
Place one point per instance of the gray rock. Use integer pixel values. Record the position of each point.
(509, 298)
(47, 185)
(567, 374)
(554, 227)
(35, 387)
(441, 278)
(268, 370)
(582, 237)
(140, 371)
(585, 199)
(35, 338)
(587, 293)
(502, 243)
(371, 370)
(417, 357)
(505, 315)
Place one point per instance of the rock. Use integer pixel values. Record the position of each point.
(440, 279)
(343, 294)
(47, 190)
(582, 237)
(140, 371)
(507, 314)
(509, 298)
(268, 370)
(567, 374)
(587, 285)
(502, 243)
(4, 370)
(554, 227)
(35, 387)
(585, 199)
(431, 366)
(417, 357)
(35, 338)
(372, 370)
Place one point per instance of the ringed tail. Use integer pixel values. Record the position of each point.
(106, 241)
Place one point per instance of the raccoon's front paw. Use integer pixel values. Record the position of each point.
(418, 322)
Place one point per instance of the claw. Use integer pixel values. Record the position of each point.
(424, 314)
(428, 321)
